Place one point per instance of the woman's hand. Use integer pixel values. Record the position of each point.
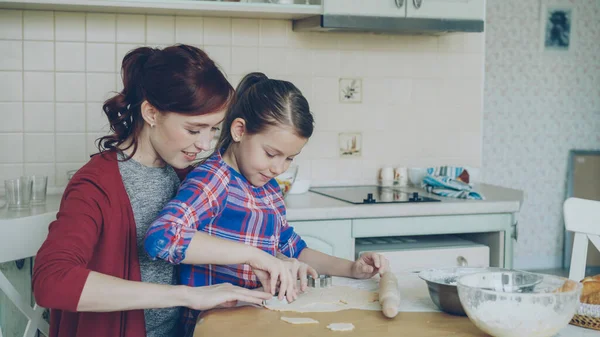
(369, 264)
(299, 270)
(221, 295)
(273, 272)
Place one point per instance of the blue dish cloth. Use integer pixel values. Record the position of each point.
(443, 181)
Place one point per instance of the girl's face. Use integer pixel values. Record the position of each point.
(263, 156)
(177, 138)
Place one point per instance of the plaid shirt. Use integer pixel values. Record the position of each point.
(216, 199)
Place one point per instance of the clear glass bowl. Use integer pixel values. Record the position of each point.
(287, 178)
(517, 303)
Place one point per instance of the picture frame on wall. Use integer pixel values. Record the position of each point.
(557, 23)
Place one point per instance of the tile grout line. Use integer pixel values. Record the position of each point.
(23, 89)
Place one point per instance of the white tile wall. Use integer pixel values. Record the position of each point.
(421, 94)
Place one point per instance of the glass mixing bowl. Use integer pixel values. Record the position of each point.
(508, 304)
(287, 178)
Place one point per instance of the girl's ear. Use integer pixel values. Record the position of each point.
(149, 113)
(238, 128)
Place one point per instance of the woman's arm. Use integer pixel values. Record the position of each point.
(103, 293)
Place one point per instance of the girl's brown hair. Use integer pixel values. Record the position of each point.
(264, 102)
(180, 79)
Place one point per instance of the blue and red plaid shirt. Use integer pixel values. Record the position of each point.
(218, 200)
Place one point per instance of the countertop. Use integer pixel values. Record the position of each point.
(313, 206)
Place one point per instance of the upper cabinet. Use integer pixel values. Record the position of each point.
(389, 8)
(447, 9)
(273, 9)
(434, 9)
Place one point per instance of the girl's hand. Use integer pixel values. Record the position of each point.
(221, 295)
(299, 270)
(272, 272)
(368, 265)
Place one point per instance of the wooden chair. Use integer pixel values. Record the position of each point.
(582, 217)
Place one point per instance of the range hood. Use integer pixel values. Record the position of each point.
(388, 25)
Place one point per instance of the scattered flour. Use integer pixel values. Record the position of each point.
(341, 327)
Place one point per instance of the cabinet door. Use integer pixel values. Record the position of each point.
(446, 9)
(329, 237)
(393, 8)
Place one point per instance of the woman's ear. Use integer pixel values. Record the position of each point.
(238, 129)
(149, 113)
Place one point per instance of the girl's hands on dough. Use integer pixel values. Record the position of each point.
(273, 273)
(299, 270)
(368, 265)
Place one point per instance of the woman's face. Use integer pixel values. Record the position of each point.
(178, 138)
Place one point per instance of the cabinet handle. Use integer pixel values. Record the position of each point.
(462, 262)
(515, 233)
(399, 3)
(417, 3)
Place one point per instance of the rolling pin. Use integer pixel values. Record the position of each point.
(389, 295)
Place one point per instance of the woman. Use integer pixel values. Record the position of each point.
(92, 269)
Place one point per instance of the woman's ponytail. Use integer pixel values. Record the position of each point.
(123, 110)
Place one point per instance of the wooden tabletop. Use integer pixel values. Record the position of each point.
(260, 322)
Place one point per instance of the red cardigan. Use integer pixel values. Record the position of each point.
(94, 230)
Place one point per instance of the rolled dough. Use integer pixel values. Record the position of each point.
(335, 298)
(299, 320)
(341, 327)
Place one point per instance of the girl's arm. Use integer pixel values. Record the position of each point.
(175, 235)
(366, 266)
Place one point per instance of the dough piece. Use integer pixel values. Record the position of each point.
(341, 327)
(299, 320)
(335, 298)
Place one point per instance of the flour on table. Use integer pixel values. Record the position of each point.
(341, 327)
(335, 298)
(299, 320)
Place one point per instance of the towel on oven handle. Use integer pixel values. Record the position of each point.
(444, 181)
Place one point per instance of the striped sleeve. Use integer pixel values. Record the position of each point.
(198, 202)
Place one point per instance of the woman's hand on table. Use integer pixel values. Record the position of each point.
(221, 295)
(368, 265)
(299, 270)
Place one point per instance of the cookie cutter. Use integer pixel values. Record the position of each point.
(323, 281)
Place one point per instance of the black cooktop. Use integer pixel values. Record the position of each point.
(371, 194)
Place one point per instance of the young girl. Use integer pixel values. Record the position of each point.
(233, 194)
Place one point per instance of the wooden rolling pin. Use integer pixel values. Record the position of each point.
(389, 295)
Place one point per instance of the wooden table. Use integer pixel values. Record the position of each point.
(418, 317)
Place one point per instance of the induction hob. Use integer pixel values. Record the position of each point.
(371, 194)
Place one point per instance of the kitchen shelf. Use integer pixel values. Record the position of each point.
(173, 7)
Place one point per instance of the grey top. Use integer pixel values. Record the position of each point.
(149, 189)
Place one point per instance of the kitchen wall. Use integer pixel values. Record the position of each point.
(537, 106)
(421, 100)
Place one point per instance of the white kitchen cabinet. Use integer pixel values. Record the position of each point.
(433, 9)
(416, 253)
(446, 9)
(390, 8)
(333, 237)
